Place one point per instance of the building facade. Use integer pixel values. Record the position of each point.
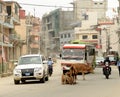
(88, 12)
(9, 17)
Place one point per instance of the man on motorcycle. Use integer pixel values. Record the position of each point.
(106, 64)
(50, 66)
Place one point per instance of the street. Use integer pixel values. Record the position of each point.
(95, 85)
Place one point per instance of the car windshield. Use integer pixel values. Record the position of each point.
(30, 60)
(99, 58)
(111, 58)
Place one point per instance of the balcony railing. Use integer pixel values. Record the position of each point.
(14, 37)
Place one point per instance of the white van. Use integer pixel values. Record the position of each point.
(29, 67)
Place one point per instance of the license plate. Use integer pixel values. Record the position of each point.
(27, 74)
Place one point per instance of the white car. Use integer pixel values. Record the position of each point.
(99, 60)
(29, 67)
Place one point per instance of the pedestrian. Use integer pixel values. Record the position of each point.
(118, 65)
(60, 55)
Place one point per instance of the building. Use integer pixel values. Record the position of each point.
(34, 36)
(21, 31)
(53, 24)
(81, 7)
(88, 12)
(9, 17)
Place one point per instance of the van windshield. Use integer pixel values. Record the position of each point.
(30, 60)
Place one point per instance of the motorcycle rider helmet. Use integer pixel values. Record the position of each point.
(49, 58)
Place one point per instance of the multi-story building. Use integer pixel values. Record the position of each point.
(13, 14)
(34, 36)
(21, 47)
(87, 12)
(81, 7)
(86, 32)
(53, 24)
(9, 17)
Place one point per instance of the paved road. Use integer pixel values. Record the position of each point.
(95, 85)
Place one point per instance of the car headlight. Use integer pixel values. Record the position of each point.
(38, 69)
(17, 71)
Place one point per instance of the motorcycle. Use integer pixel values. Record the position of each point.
(107, 71)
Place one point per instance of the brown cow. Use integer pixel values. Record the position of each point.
(70, 76)
(67, 78)
(73, 72)
(83, 68)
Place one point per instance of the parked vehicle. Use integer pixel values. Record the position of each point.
(99, 61)
(112, 59)
(29, 67)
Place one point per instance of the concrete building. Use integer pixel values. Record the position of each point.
(29, 31)
(88, 12)
(34, 36)
(21, 31)
(9, 17)
(81, 7)
(86, 32)
(53, 24)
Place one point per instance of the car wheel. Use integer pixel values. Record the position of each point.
(23, 81)
(16, 81)
(43, 79)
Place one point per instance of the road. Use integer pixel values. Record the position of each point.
(95, 85)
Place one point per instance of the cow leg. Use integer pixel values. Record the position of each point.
(83, 74)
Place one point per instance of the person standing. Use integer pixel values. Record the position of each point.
(60, 55)
(118, 65)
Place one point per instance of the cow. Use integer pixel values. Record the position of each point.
(83, 68)
(67, 78)
(70, 76)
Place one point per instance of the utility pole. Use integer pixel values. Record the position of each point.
(28, 33)
(2, 27)
(2, 48)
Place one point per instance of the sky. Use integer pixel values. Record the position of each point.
(38, 11)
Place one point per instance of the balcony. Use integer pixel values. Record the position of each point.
(14, 37)
(15, 18)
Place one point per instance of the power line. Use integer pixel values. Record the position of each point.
(44, 5)
(63, 6)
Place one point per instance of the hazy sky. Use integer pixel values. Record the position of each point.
(40, 10)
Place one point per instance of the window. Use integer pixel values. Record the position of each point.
(94, 37)
(101, 3)
(9, 10)
(16, 9)
(95, 3)
(61, 35)
(65, 35)
(69, 35)
(91, 52)
(84, 37)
